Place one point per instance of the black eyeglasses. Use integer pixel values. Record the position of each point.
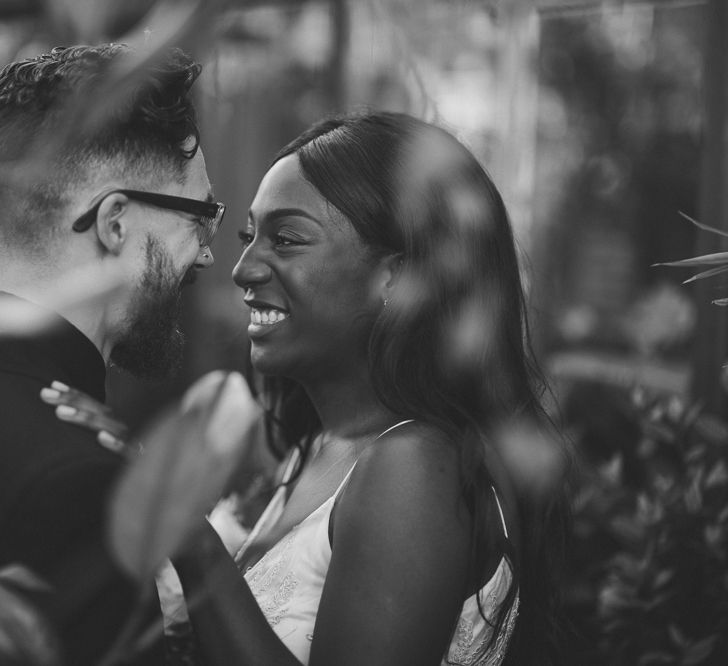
(210, 213)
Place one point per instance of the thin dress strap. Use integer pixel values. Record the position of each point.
(500, 511)
(396, 425)
(381, 434)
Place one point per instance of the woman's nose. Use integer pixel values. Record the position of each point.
(250, 270)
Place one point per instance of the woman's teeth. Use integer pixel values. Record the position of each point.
(267, 316)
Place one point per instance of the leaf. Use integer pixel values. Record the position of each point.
(706, 274)
(627, 529)
(677, 637)
(718, 475)
(702, 226)
(611, 471)
(22, 578)
(713, 535)
(658, 600)
(656, 658)
(25, 636)
(82, 287)
(718, 258)
(96, 102)
(91, 20)
(699, 651)
(190, 453)
(663, 577)
(712, 429)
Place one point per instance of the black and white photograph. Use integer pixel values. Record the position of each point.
(364, 333)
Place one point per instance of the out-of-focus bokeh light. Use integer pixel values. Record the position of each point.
(533, 456)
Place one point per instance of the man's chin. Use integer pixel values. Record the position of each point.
(190, 277)
(152, 343)
(148, 359)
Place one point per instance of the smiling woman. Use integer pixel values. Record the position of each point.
(388, 321)
(307, 278)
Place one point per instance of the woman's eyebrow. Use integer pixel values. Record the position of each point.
(283, 212)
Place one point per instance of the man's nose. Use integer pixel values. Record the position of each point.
(204, 258)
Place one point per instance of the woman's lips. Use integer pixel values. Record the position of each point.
(263, 320)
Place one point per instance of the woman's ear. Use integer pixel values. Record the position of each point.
(111, 226)
(390, 266)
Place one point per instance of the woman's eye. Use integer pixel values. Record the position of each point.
(245, 238)
(283, 241)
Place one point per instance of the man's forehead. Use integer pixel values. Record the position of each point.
(197, 182)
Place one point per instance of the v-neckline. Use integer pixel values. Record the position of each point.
(279, 501)
(277, 505)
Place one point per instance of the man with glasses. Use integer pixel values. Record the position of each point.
(106, 213)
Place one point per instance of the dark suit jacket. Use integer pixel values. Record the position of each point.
(54, 486)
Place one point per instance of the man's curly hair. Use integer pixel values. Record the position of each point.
(83, 107)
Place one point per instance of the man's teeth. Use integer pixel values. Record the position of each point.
(267, 316)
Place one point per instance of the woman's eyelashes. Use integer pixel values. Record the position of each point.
(286, 240)
(279, 239)
(246, 238)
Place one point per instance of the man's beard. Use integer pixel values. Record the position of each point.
(152, 344)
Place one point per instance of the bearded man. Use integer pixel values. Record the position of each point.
(105, 214)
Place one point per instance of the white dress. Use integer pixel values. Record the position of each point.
(287, 583)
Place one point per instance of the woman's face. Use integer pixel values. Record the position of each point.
(309, 281)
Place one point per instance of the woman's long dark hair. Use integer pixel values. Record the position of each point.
(451, 347)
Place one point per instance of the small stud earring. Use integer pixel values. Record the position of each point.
(386, 300)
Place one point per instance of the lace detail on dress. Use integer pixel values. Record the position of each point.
(471, 642)
(501, 643)
(272, 592)
(466, 651)
(463, 653)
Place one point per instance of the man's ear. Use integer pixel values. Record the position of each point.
(111, 226)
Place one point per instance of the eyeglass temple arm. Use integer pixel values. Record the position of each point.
(86, 220)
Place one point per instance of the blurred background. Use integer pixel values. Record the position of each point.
(603, 122)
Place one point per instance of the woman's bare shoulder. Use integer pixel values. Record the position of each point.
(400, 548)
(411, 468)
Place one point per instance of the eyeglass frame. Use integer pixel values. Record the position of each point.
(211, 212)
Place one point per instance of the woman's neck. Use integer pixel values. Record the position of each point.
(349, 409)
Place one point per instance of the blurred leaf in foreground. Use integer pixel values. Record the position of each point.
(25, 637)
(190, 453)
(85, 287)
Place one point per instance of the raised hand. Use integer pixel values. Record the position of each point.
(74, 406)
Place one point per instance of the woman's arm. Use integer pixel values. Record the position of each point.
(397, 579)
(398, 574)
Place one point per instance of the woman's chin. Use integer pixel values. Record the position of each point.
(266, 362)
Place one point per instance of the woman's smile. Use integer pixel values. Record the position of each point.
(263, 321)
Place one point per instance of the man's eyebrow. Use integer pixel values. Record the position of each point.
(284, 212)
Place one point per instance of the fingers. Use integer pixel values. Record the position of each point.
(91, 420)
(76, 407)
(108, 441)
(60, 394)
